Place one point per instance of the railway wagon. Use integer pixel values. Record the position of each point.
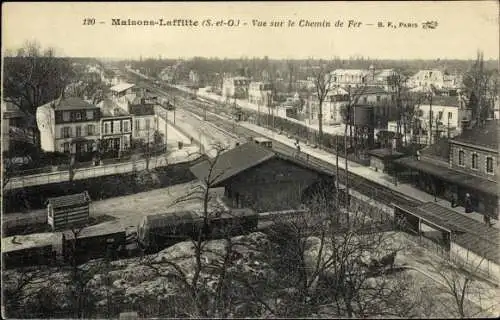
(93, 242)
(156, 232)
(30, 250)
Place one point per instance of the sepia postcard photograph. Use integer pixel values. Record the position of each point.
(268, 159)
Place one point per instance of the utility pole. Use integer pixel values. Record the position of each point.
(430, 119)
(175, 107)
(345, 154)
(448, 129)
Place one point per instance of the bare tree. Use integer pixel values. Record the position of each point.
(468, 299)
(476, 81)
(34, 77)
(323, 85)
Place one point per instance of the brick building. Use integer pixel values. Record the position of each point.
(468, 163)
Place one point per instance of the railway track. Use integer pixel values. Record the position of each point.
(364, 186)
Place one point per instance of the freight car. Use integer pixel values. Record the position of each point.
(162, 230)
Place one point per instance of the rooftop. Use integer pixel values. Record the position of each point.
(71, 103)
(232, 162)
(350, 72)
(451, 101)
(370, 90)
(484, 135)
(111, 109)
(122, 87)
(70, 200)
(439, 150)
(242, 158)
(453, 176)
(469, 233)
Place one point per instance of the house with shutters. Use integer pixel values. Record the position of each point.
(69, 125)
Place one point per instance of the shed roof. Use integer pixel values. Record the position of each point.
(244, 157)
(121, 87)
(468, 233)
(454, 176)
(232, 162)
(29, 241)
(70, 200)
(385, 153)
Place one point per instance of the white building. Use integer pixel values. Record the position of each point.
(260, 93)
(424, 79)
(235, 87)
(446, 115)
(353, 77)
(68, 125)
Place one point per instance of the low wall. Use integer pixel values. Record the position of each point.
(475, 263)
(99, 188)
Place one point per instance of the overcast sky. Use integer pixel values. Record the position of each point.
(463, 28)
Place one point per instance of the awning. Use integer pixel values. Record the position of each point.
(450, 175)
(467, 232)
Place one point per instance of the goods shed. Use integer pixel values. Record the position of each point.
(257, 177)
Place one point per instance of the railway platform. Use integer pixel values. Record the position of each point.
(366, 172)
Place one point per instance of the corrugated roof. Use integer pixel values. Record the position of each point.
(70, 200)
(454, 176)
(121, 87)
(484, 135)
(232, 162)
(468, 233)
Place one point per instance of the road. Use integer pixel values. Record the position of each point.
(177, 156)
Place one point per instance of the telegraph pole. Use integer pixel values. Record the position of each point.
(430, 119)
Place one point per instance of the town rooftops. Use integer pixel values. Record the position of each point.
(71, 103)
(122, 87)
(369, 90)
(485, 135)
(70, 200)
(351, 72)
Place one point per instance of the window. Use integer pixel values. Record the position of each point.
(106, 127)
(66, 116)
(78, 131)
(137, 124)
(148, 122)
(90, 129)
(78, 116)
(90, 115)
(440, 115)
(125, 126)
(66, 132)
(489, 165)
(66, 147)
(474, 160)
(450, 115)
(365, 99)
(378, 98)
(461, 157)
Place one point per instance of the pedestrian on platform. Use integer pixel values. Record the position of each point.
(468, 203)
